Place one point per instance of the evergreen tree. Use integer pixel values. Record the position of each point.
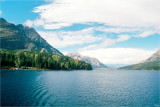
(26, 59)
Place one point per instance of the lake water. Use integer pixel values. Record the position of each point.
(80, 88)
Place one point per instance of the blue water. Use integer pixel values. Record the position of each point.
(80, 88)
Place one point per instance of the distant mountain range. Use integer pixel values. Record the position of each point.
(20, 37)
(152, 63)
(93, 61)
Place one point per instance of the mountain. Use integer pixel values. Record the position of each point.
(19, 37)
(152, 63)
(93, 61)
(37, 39)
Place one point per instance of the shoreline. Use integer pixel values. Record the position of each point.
(41, 69)
(65, 70)
(23, 69)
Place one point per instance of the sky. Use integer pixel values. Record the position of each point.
(113, 31)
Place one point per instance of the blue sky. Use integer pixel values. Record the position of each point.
(115, 32)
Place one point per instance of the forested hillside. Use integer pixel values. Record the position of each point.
(26, 59)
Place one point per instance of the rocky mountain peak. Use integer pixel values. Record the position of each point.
(20, 37)
(93, 61)
(2, 21)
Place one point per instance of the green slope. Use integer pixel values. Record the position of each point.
(29, 60)
(152, 63)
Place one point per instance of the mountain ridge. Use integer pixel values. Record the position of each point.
(151, 63)
(94, 61)
(37, 39)
(20, 37)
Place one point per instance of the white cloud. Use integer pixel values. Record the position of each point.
(123, 13)
(146, 34)
(36, 22)
(134, 32)
(63, 39)
(117, 29)
(118, 55)
(56, 25)
(29, 23)
(107, 42)
(123, 38)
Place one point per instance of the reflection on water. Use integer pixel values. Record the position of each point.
(80, 88)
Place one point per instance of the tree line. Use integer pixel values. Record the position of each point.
(26, 59)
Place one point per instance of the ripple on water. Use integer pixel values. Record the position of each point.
(119, 88)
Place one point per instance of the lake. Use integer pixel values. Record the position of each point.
(80, 88)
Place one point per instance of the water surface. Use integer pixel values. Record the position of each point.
(80, 88)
